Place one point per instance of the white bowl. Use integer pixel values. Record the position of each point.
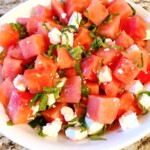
(27, 137)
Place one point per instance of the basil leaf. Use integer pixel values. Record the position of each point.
(77, 67)
(45, 26)
(38, 121)
(20, 28)
(9, 123)
(109, 19)
(3, 54)
(92, 28)
(142, 61)
(76, 52)
(34, 99)
(96, 137)
(43, 102)
(85, 91)
(40, 133)
(64, 127)
(133, 10)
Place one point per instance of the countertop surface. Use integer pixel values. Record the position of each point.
(6, 144)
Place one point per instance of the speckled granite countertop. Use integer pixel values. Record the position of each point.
(6, 144)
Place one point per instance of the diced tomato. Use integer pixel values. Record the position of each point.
(11, 67)
(42, 62)
(120, 7)
(54, 112)
(58, 9)
(64, 59)
(128, 103)
(96, 7)
(140, 56)
(93, 87)
(71, 92)
(135, 27)
(83, 38)
(43, 12)
(144, 76)
(76, 5)
(32, 24)
(124, 40)
(102, 109)
(108, 55)
(11, 36)
(141, 43)
(110, 29)
(32, 46)
(89, 67)
(125, 70)
(37, 79)
(6, 89)
(70, 72)
(22, 21)
(18, 109)
(15, 52)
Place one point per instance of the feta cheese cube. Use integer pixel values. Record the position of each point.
(52, 129)
(74, 133)
(63, 15)
(55, 36)
(144, 100)
(135, 87)
(68, 113)
(62, 82)
(51, 99)
(19, 83)
(133, 47)
(1, 49)
(35, 109)
(105, 74)
(67, 38)
(75, 19)
(146, 87)
(93, 126)
(128, 120)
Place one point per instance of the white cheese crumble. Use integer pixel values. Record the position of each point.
(35, 109)
(63, 15)
(68, 113)
(62, 82)
(55, 36)
(93, 126)
(133, 47)
(105, 74)
(1, 49)
(135, 86)
(19, 83)
(128, 120)
(52, 129)
(67, 38)
(51, 99)
(75, 19)
(144, 100)
(74, 133)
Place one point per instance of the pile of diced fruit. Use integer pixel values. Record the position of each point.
(77, 67)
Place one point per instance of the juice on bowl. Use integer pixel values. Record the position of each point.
(76, 68)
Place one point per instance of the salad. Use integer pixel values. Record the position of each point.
(77, 68)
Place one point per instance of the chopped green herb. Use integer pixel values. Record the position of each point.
(50, 49)
(3, 54)
(43, 102)
(45, 26)
(96, 137)
(62, 73)
(118, 47)
(133, 10)
(64, 127)
(109, 19)
(77, 67)
(142, 62)
(9, 123)
(84, 91)
(76, 52)
(40, 133)
(99, 67)
(92, 28)
(20, 28)
(34, 99)
(38, 121)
